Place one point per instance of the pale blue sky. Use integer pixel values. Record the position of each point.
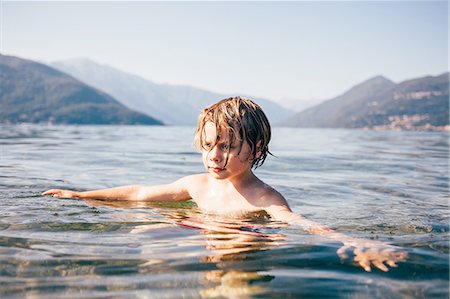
(298, 50)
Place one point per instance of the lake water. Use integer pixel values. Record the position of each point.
(390, 186)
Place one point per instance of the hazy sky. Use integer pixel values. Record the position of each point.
(298, 50)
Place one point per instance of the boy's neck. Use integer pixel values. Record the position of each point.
(241, 181)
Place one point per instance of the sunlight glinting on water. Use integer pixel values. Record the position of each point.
(390, 186)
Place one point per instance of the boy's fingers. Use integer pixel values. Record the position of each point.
(53, 192)
(380, 258)
(363, 259)
(48, 192)
(341, 252)
(391, 263)
(380, 266)
(365, 264)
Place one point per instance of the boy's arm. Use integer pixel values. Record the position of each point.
(176, 191)
(282, 212)
(367, 252)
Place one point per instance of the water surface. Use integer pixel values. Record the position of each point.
(390, 186)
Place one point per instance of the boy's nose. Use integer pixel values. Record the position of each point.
(214, 154)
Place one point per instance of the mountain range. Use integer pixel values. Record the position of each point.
(173, 104)
(36, 93)
(380, 104)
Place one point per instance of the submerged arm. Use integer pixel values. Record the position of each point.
(284, 213)
(367, 252)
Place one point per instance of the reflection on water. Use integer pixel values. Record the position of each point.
(391, 186)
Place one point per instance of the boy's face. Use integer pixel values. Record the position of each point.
(219, 160)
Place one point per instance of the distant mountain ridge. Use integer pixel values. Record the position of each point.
(173, 104)
(36, 93)
(380, 104)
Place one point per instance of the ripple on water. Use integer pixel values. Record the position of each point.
(389, 186)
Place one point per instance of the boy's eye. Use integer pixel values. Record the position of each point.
(222, 146)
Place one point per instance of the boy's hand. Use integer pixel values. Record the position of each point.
(374, 253)
(61, 193)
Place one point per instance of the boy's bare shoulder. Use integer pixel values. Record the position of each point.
(271, 197)
(194, 184)
(274, 203)
(193, 181)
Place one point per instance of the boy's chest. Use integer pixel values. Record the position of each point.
(224, 202)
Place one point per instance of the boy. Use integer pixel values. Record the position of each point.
(233, 137)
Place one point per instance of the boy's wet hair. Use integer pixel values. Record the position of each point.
(244, 120)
